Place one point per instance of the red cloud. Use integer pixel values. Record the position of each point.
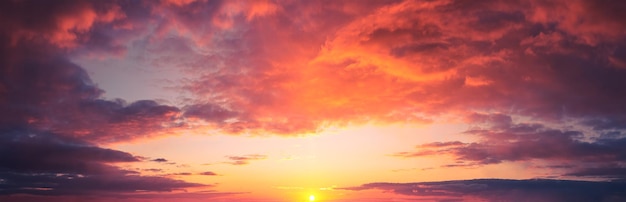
(61, 24)
(293, 71)
(403, 62)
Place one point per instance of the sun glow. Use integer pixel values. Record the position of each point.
(311, 198)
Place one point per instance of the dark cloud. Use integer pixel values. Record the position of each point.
(602, 171)
(53, 120)
(41, 88)
(507, 190)
(140, 197)
(42, 163)
(160, 160)
(34, 151)
(501, 141)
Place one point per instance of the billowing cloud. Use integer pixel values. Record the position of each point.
(422, 60)
(267, 66)
(41, 88)
(53, 120)
(505, 190)
(400, 61)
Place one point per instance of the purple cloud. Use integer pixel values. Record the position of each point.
(505, 190)
(507, 141)
(42, 163)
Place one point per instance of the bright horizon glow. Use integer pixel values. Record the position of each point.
(311, 197)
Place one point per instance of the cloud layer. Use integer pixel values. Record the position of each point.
(536, 80)
(399, 61)
(505, 190)
(42, 163)
(396, 61)
(502, 140)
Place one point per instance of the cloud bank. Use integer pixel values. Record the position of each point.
(505, 190)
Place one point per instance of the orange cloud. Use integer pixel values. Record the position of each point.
(298, 70)
(409, 61)
(65, 24)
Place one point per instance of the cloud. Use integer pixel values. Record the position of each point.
(506, 190)
(192, 196)
(157, 170)
(503, 140)
(65, 101)
(209, 112)
(606, 171)
(207, 173)
(42, 89)
(54, 122)
(43, 163)
(244, 160)
(65, 24)
(160, 160)
(31, 151)
(420, 59)
(183, 173)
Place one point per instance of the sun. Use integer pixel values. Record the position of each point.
(311, 197)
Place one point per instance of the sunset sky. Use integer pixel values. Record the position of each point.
(295, 101)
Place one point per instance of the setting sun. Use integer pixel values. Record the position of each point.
(311, 198)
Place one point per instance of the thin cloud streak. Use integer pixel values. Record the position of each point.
(505, 190)
(244, 160)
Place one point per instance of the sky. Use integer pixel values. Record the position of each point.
(293, 101)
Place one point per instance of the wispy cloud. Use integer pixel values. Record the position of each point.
(245, 159)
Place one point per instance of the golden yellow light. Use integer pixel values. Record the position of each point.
(311, 198)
